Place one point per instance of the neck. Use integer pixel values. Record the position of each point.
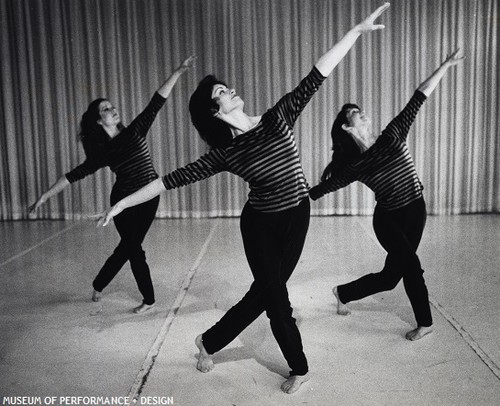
(112, 131)
(365, 139)
(240, 122)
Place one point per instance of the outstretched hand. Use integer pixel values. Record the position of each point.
(105, 217)
(368, 24)
(429, 84)
(34, 207)
(187, 63)
(453, 59)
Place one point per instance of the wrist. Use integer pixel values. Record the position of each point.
(119, 206)
(356, 31)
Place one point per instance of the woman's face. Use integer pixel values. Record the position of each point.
(226, 98)
(358, 119)
(108, 113)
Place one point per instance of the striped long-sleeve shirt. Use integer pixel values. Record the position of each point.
(266, 156)
(127, 154)
(387, 167)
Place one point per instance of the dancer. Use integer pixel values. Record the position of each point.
(107, 142)
(383, 163)
(274, 221)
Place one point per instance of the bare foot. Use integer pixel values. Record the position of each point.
(205, 363)
(143, 308)
(418, 333)
(96, 296)
(293, 383)
(342, 309)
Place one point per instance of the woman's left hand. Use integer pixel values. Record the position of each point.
(368, 24)
(187, 63)
(453, 59)
(105, 217)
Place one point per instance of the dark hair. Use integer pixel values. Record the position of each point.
(202, 108)
(345, 149)
(92, 135)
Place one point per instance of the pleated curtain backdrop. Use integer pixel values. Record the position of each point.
(58, 55)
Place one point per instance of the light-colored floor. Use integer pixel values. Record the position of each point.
(56, 342)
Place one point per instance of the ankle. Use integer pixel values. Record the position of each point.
(96, 296)
(143, 308)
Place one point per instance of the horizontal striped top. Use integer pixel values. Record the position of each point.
(387, 167)
(127, 154)
(266, 156)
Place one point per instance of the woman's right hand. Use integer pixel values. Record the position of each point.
(368, 25)
(57, 187)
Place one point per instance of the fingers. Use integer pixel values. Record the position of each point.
(453, 54)
(377, 13)
(103, 218)
(103, 221)
(453, 59)
(188, 62)
(381, 9)
(456, 61)
(33, 208)
(368, 24)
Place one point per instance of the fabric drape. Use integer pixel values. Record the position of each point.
(58, 55)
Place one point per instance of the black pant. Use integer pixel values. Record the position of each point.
(132, 225)
(273, 243)
(399, 232)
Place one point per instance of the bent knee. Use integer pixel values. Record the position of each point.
(279, 312)
(136, 253)
(390, 281)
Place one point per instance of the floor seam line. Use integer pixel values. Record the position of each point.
(467, 338)
(455, 324)
(22, 253)
(149, 361)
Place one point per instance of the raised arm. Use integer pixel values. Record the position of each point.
(167, 87)
(428, 85)
(330, 59)
(144, 194)
(56, 188)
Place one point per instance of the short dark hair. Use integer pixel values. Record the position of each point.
(345, 149)
(202, 108)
